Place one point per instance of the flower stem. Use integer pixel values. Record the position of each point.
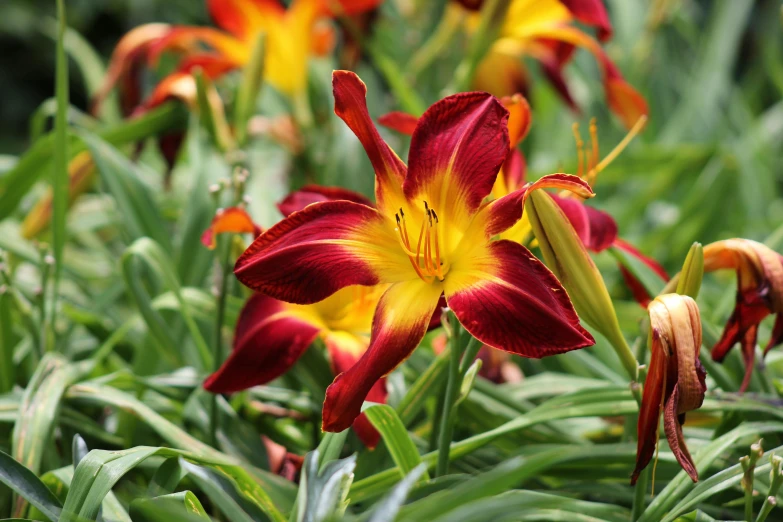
(640, 494)
(217, 354)
(459, 363)
(452, 385)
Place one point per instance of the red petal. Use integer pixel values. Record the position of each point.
(456, 152)
(596, 229)
(635, 252)
(777, 334)
(514, 172)
(400, 322)
(316, 251)
(344, 351)
(502, 213)
(673, 428)
(593, 13)
(512, 302)
(401, 122)
(308, 194)
(650, 409)
(350, 104)
(268, 340)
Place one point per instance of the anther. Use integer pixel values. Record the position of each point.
(434, 215)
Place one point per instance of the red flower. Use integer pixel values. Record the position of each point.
(675, 382)
(759, 293)
(429, 235)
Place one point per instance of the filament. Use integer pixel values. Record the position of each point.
(426, 260)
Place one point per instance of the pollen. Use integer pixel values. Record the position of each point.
(426, 259)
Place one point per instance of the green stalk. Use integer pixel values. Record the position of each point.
(217, 354)
(640, 494)
(432, 48)
(60, 168)
(452, 386)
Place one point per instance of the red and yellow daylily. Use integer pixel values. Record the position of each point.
(545, 30)
(428, 235)
(271, 335)
(759, 293)
(675, 382)
(597, 229)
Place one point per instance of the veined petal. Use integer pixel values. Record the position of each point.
(596, 229)
(593, 13)
(308, 194)
(245, 18)
(232, 219)
(345, 349)
(401, 122)
(350, 105)
(316, 251)
(456, 152)
(508, 299)
(500, 214)
(400, 322)
(270, 336)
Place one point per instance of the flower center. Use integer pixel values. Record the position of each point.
(426, 260)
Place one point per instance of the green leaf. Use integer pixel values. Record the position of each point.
(661, 506)
(163, 508)
(40, 407)
(135, 201)
(25, 484)
(325, 491)
(17, 183)
(386, 510)
(260, 487)
(7, 368)
(395, 436)
(146, 256)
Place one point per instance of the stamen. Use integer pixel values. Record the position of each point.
(580, 152)
(622, 145)
(438, 268)
(594, 142)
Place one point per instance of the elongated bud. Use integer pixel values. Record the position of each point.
(252, 76)
(567, 257)
(689, 282)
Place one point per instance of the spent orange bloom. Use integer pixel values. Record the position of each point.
(759, 293)
(675, 382)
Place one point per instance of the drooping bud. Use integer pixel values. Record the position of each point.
(567, 257)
